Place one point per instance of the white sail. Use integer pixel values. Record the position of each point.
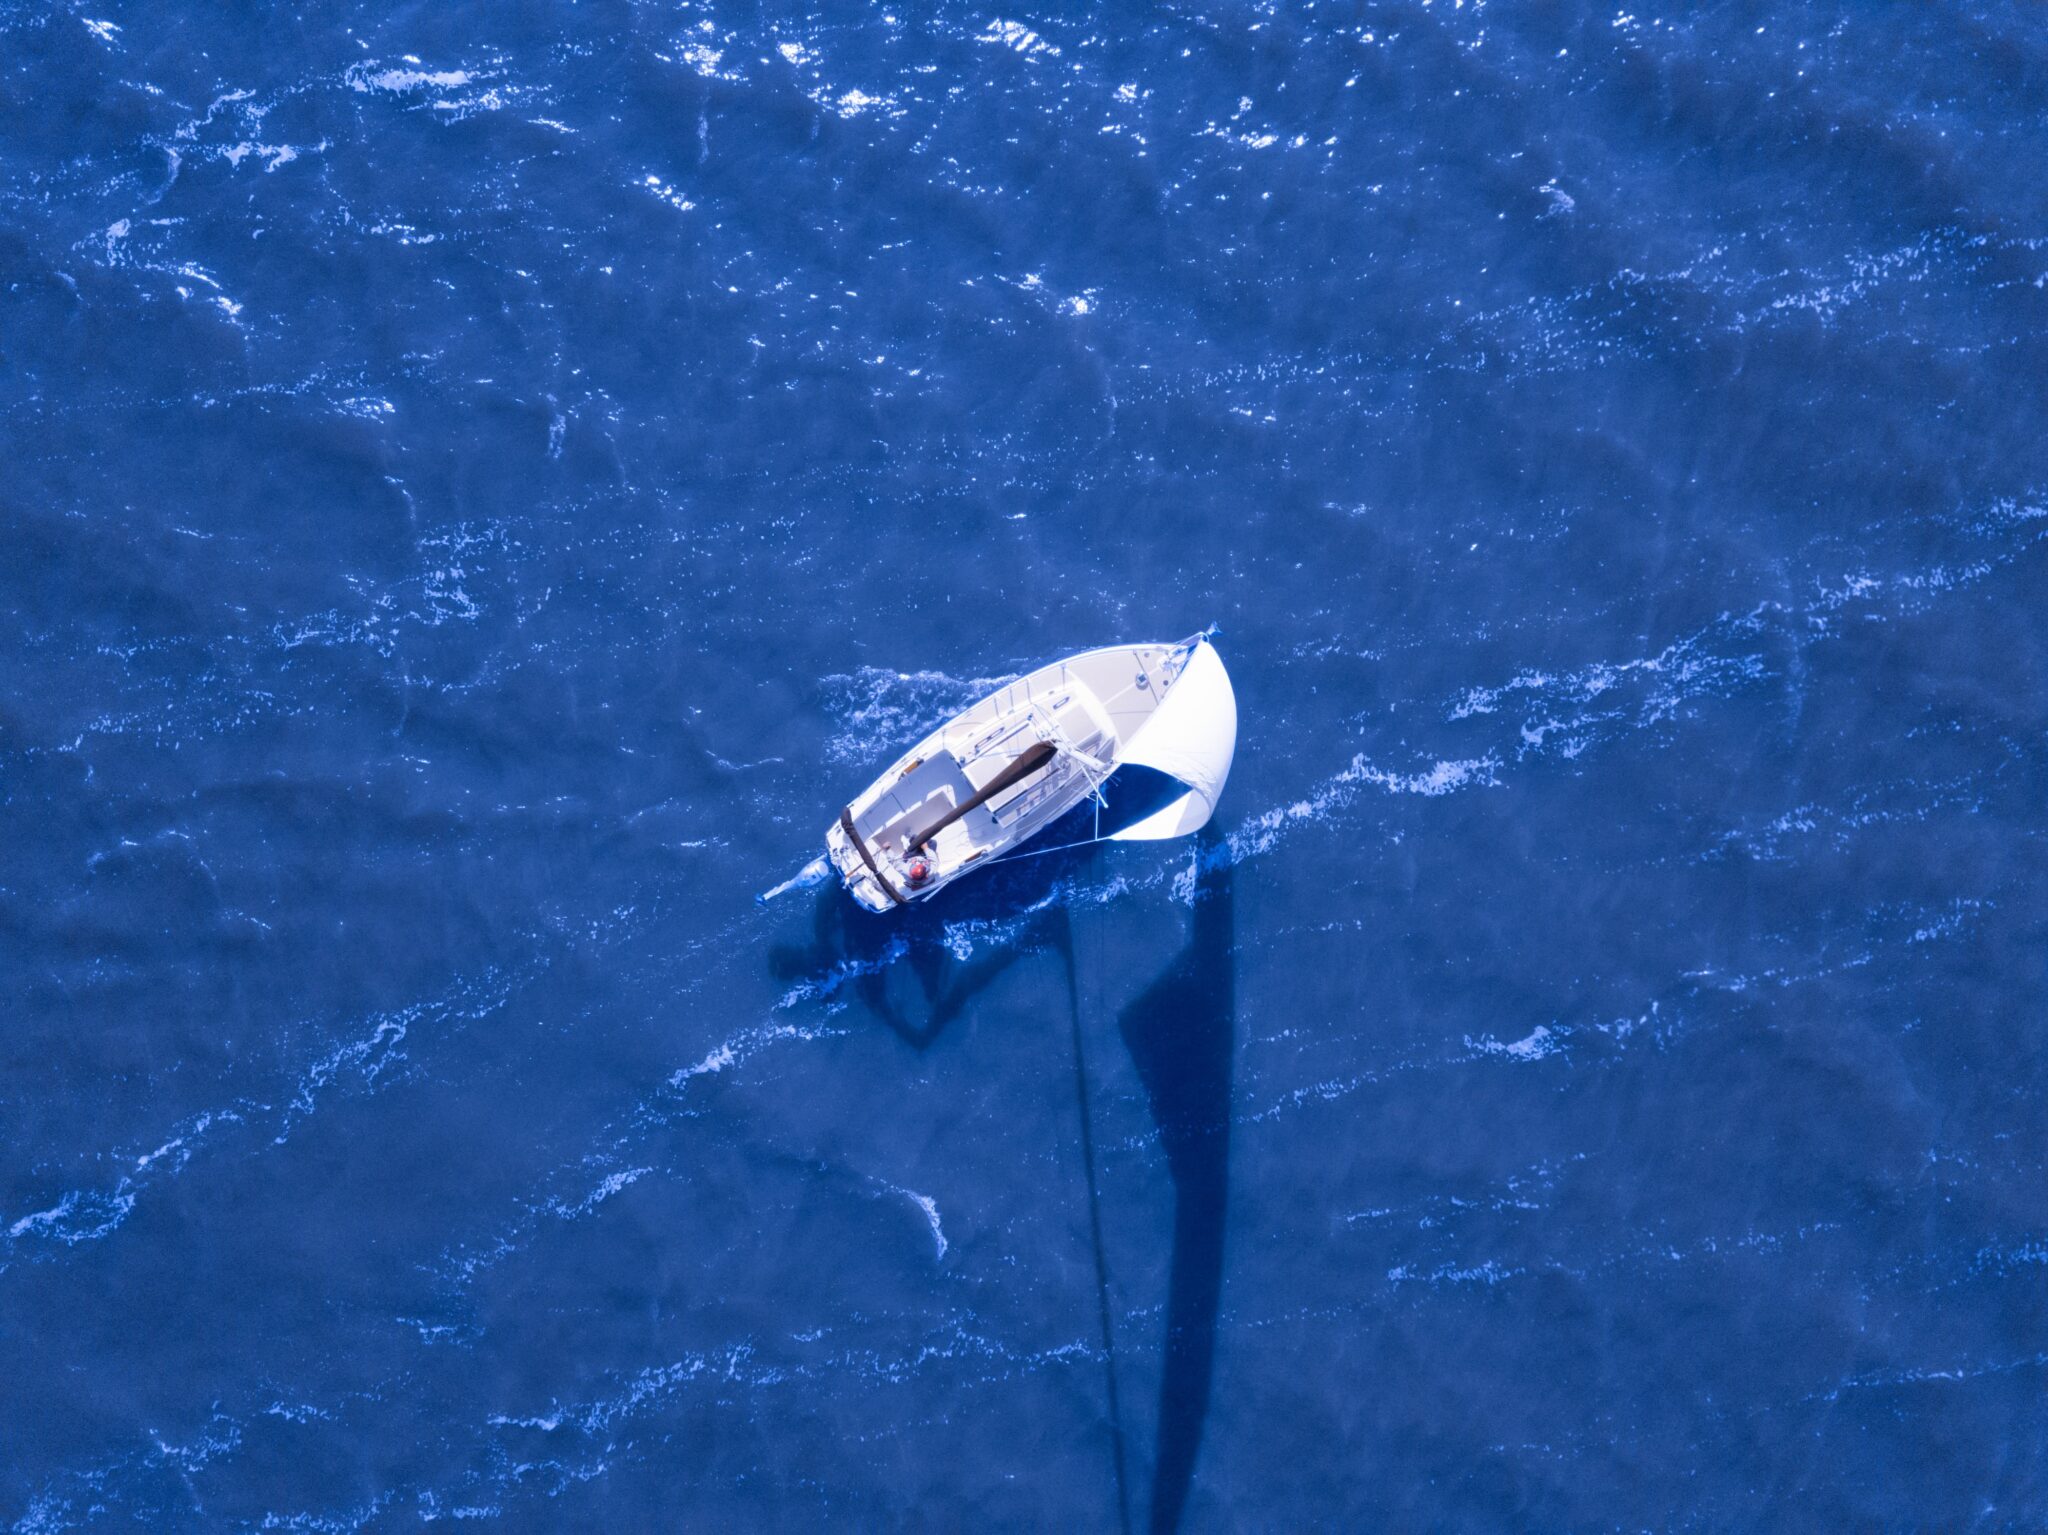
(1191, 737)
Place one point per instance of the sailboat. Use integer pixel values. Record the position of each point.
(1145, 731)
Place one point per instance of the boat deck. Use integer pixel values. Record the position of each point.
(1087, 706)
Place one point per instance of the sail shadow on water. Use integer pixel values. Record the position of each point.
(1181, 1033)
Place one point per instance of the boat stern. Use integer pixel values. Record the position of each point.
(862, 880)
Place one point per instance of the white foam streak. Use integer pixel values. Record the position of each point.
(368, 77)
(840, 974)
(743, 1045)
(1681, 671)
(880, 711)
(82, 1215)
(611, 1185)
(929, 1206)
(369, 1056)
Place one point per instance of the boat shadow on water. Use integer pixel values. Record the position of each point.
(861, 953)
(1180, 1032)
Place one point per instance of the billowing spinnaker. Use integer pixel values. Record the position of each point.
(1191, 737)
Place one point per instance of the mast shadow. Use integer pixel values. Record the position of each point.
(1181, 1034)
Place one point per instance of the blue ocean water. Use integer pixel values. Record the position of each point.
(484, 484)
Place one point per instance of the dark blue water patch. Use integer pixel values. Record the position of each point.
(482, 489)
(1126, 797)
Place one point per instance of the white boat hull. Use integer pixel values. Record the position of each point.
(994, 776)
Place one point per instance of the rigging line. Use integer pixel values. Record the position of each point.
(1040, 852)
